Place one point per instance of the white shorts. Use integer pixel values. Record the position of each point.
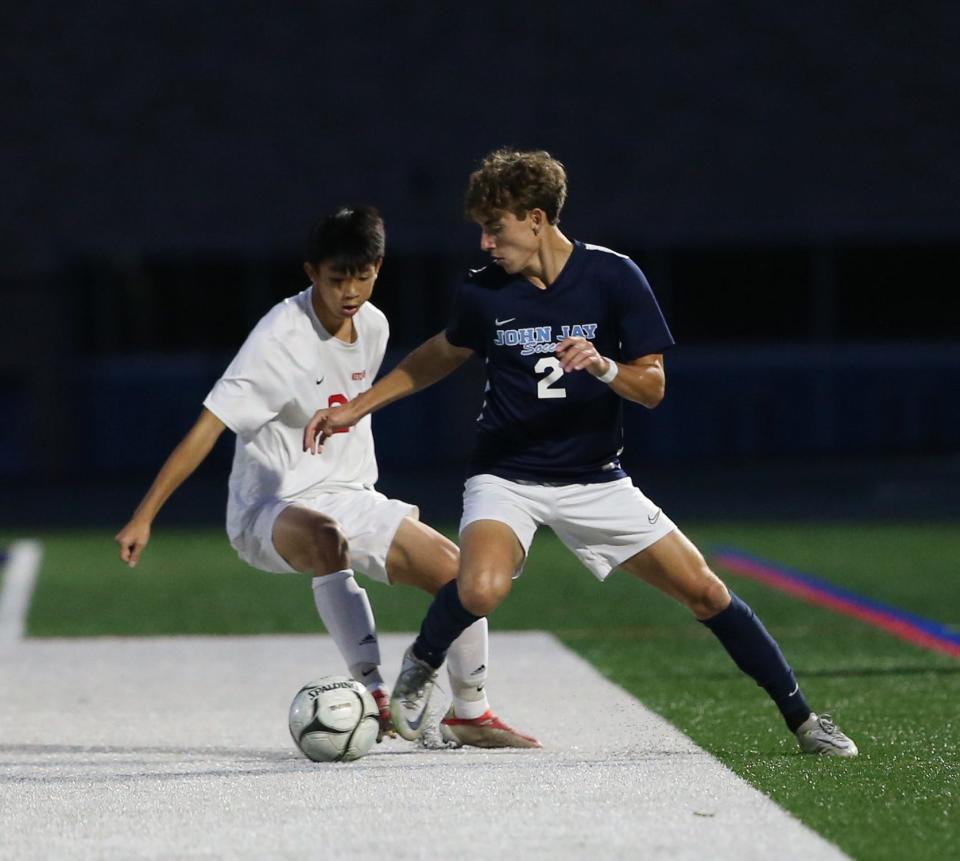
(367, 518)
(604, 524)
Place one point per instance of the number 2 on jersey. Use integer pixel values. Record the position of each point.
(337, 401)
(544, 390)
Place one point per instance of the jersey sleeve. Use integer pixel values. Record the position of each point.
(642, 327)
(465, 328)
(251, 391)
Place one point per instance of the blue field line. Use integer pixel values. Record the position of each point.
(935, 629)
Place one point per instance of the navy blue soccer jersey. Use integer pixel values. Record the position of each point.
(537, 423)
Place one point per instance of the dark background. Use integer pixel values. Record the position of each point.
(786, 177)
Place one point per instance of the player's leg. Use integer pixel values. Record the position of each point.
(675, 566)
(498, 524)
(312, 541)
(420, 556)
(614, 525)
(489, 554)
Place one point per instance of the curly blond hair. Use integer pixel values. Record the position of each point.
(516, 181)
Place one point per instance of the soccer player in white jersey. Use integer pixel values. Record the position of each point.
(567, 332)
(290, 512)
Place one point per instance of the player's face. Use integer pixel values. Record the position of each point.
(512, 242)
(339, 295)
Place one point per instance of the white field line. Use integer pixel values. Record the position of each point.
(16, 589)
(156, 747)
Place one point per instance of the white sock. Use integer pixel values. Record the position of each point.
(346, 614)
(467, 669)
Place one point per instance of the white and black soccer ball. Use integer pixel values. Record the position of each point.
(334, 719)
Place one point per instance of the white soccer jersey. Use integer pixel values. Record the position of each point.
(287, 369)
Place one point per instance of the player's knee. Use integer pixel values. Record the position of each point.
(328, 546)
(710, 597)
(481, 594)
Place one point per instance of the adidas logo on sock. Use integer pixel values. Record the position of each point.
(370, 638)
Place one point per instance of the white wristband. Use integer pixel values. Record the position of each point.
(610, 374)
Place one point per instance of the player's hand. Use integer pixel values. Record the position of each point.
(324, 424)
(578, 354)
(132, 539)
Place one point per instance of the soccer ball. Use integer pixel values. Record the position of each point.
(334, 719)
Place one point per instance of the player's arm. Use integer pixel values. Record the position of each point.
(427, 364)
(183, 460)
(642, 380)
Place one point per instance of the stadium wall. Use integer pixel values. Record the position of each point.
(122, 416)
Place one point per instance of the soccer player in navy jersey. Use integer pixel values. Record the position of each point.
(567, 331)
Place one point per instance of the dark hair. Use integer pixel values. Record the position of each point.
(349, 240)
(516, 181)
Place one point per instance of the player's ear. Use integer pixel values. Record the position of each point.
(377, 265)
(537, 218)
(311, 271)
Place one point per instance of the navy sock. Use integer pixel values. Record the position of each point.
(756, 653)
(446, 620)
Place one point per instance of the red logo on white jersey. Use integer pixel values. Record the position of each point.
(359, 375)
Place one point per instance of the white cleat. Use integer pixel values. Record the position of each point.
(411, 696)
(819, 734)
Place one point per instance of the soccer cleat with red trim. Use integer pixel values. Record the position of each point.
(485, 731)
(382, 699)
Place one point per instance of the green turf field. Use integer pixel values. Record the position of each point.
(902, 704)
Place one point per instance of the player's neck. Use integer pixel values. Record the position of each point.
(338, 327)
(546, 265)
